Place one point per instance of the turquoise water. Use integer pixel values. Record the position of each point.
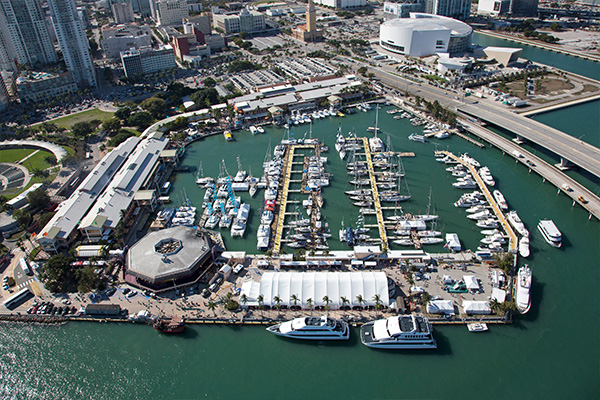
(568, 63)
(549, 353)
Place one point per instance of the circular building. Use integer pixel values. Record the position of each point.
(423, 35)
(168, 257)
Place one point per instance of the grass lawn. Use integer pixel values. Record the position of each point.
(37, 161)
(134, 131)
(68, 121)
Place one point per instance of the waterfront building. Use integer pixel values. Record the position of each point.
(73, 41)
(494, 8)
(61, 230)
(122, 12)
(524, 8)
(25, 36)
(424, 35)
(169, 12)
(402, 8)
(146, 60)
(504, 55)
(116, 39)
(38, 86)
(458, 9)
(245, 21)
(342, 4)
(116, 203)
(168, 257)
(308, 32)
(317, 285)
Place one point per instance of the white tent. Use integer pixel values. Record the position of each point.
(317, 285)
(447, 279)
(471, 282)
(476, 307)
(440, 307)
(499, 295)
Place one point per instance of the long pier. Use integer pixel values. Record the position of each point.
(514, 240)
(288, 163)
(378, 212)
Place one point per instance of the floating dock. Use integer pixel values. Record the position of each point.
(376, 203)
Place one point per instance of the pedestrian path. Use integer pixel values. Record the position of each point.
(26, 283)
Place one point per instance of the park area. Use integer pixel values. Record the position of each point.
(85, 116)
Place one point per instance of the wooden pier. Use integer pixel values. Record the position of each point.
(377, 204)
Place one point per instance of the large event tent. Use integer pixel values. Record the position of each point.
(316, 285)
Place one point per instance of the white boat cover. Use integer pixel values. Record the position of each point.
(440, 307)
(316, 285)
(412, 224)
(476, 307)
(447, 279)
(471, 282)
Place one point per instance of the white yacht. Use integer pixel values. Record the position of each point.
(516, 222)
(500, 200)
(550, 232)
(260, 129)
(453, 242)
(484, 214)
(398, 332)
(212, 221)
(253, 130)
(239, 225)
(415, 137)
(523, 286)
(486, 176)
(524, 246)
(313, 328)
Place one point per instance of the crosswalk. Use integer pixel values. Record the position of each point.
(26, 283)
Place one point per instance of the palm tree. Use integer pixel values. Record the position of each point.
(295, 300)
(261, 302)
(410, 279)
(277, 300)
(377, 300)
(211, 306)
(344, 301)
(309, 303)
(326, 300)
(495, 305)
(360, 299)
(244, 299)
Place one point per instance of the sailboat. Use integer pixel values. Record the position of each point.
(202, 180)
(375, 142)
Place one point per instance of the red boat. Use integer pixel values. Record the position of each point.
(174, 325)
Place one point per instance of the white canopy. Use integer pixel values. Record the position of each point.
(471, 282)
(476, 307)
(447, 279)
(316, 285)
(440, 307)
(499, 295)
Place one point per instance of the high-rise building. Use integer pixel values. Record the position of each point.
(73, 42)
(458, 9)
(122, 12)
(493, 7)
(169, 12)
(245, 21)
(524, 8)
(25, 35)
(308, 32)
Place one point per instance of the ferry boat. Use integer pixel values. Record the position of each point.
(415, 137)
(312, 328)
(523, 286)
(500, 199)
(174, 325)
(550, 232)
(398, 332)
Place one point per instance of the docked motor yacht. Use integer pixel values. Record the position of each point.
(500, 200)
(524, 247)
(313, 328)
(516, 222)
(398, 332)
(523, 286)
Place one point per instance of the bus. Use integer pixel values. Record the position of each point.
(17, 298)
(25, 266)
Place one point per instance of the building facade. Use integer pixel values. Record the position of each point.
(308, 32)
(493, 7)
(524, 8)
(139, 62)
(245, 21)
(457, 9)
(38, 86)
(25, 35)
(124, 37)
(4, 96)
(169, 12)
(402, 9)
(73, 41)
(341, 4)
(122, 12)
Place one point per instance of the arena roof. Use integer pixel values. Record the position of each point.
(429, 22)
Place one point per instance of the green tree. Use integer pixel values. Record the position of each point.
(295, 300)
(360, 299)
(22, 217)
(141, 120)
(410, 279)
(58, 274)
(261, 302)
(504, 261)
(82, 129)
(123, 113)
(156, 106)
(205, 97)
(344, 301)
(209, 82)
(277, 300)
(244, 299)
(377, 300)
(326, 300)
(38, 199)
(88, 279)
(309, 303)
(111, 126)
(212, 306)
(120, 137)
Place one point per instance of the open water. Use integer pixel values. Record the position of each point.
(549, 353)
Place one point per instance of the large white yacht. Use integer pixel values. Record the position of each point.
(398, 332)
(523, 285)
(313, 328)
(550, 232)
(516, 222)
